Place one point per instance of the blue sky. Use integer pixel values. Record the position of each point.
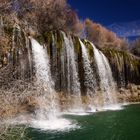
(107, 12)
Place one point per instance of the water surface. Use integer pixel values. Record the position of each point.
(109, 125)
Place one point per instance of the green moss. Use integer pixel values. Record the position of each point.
(77, 44)
(40, 39)
(49, 40)
(89, 47)
(119, 58)
(45, 35)
(59, 41)
(23, 39)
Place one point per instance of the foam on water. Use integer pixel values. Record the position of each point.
(94, 109)
(58, 124)
(77, 113)
(81, 112)
(54, 124)
(110, 107)
(113, 107)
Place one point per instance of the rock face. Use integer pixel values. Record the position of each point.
(17, 54)
(129, 94)
(125, 67)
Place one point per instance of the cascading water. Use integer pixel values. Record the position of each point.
(106, 80)
(43, 79)
(72, 73)
(48, 116)
(90, 80)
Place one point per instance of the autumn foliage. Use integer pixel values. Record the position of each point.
(42, 16)
(136, 47)
(102, 37)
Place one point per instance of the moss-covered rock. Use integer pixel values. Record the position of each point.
(123, 63)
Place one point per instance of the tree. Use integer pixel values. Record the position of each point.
(102, 37)
(42, 15)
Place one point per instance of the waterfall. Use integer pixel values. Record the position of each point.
(73, 84)
(44, 80)
(90, 80)
(47, 117)
(107, 84)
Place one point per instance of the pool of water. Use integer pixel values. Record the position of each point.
(106, 125)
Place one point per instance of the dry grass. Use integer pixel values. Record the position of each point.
(8, 132)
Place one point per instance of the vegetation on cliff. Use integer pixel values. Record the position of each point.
(135, 47)
(102, 37)
(39, 17)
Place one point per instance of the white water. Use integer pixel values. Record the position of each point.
(44, 81)
(90, 81)
(72, 74)
(56, 124)
(107, 84)
(47, 116)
